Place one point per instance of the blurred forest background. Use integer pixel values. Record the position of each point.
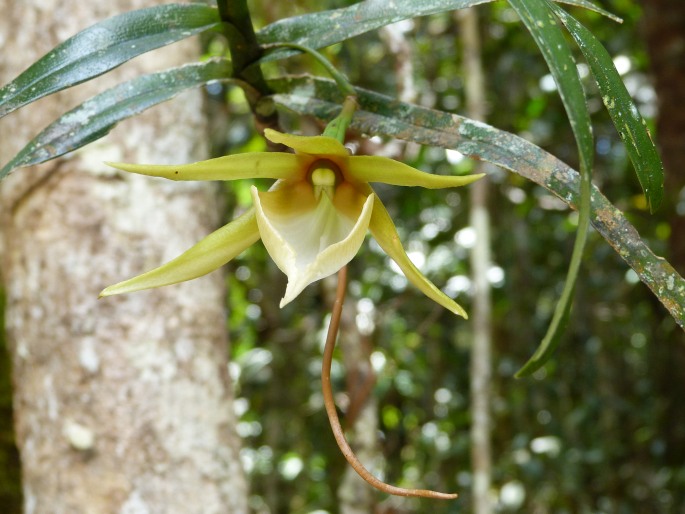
(600, 429)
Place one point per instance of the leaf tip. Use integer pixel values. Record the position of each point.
(653, 200)
(528, 368)
(5, 170)
(115, 289)
(105, 293)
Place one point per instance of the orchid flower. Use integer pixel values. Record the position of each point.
(312, 221)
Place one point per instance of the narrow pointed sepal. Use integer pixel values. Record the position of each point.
(384, 231)
(368, 168)
(310, 238)
(274, 165)
(312, 145)
(210, 253)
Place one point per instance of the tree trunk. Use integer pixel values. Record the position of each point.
(355, 496)
(124, 404)
(664, 26)
(480, 373)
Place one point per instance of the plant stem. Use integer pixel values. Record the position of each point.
(241, 37)
(245, 52)
(340, 79)
(337, 127)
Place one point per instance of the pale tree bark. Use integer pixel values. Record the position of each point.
(122, 405)
(355, 496)
(479, 219)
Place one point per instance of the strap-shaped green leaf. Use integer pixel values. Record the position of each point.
(539, 19)
(630, 125)
(324, 28)
(104, 46)
(379, 114)
(97, 116)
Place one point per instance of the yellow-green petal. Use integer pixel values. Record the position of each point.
(275, 165)
(312, 145)
(384, 231)
(367, 168)
(212, 252)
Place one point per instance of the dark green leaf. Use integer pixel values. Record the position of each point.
(630, 125)
(381, 115)
(591, 7)
(543, 26)
(324, 28)
(539, 19)
(105, 46)
(96, 117)
(321, 29)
